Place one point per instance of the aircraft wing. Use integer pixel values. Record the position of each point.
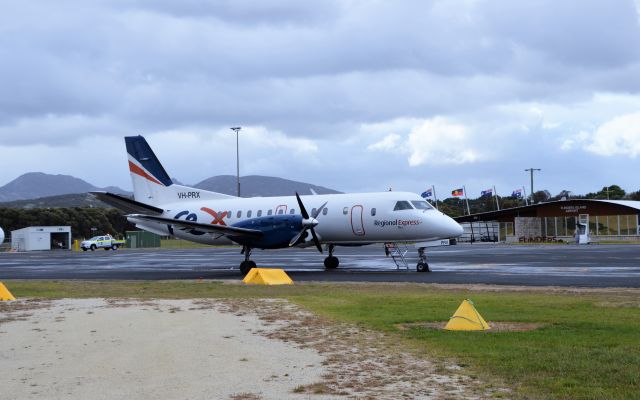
(181, 224)
(126, 204)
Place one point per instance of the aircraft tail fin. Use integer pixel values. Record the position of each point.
(151, 183)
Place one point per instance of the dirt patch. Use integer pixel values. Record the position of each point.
(19, 310)
(361, 363)
(495, 326)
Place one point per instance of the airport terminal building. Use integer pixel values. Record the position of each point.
(602, 220)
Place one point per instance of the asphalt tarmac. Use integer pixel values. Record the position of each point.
(552, 265)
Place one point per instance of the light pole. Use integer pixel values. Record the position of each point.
(236, 129)
(532, 170)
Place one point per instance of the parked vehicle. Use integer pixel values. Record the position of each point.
(106, 242)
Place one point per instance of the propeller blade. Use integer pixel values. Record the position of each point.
(305, 215)
(303, 210)
(319, 210)
(315, 240)
(296, 238)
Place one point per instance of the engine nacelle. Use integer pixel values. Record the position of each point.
(278, 231)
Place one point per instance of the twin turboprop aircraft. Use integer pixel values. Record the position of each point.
(164, 208)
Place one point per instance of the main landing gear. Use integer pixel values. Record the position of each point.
(422, 265)
(247, 264)
(331, 262)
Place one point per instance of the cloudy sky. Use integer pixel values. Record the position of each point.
(348, 94)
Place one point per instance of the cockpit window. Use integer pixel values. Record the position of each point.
(403, 205)
(421, 205)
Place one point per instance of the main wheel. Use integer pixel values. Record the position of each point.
(84, 249)
(331, 262)
(93, 247)
(246, 266)
(114, 247)
(423, 267)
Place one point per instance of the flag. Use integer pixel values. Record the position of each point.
(457, 192)
(486, 193)
(427, 193)
(517, 194)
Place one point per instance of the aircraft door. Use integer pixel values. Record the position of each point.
(357, 223)
(281, 210)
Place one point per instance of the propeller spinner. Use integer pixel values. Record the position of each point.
(308, 223)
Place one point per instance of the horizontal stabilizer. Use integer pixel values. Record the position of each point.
(126, 204)
(181, 224)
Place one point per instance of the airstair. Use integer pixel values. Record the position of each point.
(397, 252)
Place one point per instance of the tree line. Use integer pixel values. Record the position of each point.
(81, 220)
(111, 220)
(456, 206)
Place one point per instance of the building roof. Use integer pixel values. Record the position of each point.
(562, 208)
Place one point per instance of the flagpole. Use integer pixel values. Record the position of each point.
(435, 196)
(496, 194)
(525, 196)
(466, 199)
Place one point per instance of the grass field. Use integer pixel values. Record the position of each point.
(587, 348)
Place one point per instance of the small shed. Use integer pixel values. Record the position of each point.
(41, 238)
(141, 239)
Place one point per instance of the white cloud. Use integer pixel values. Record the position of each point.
(388, 143)
(619, 136)
(429, 141)
(440, 141)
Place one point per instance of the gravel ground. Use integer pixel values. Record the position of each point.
(94, 349)
(207, 349)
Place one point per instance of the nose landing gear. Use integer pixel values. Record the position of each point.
(331, 262)
(247, 264)
(422, 265)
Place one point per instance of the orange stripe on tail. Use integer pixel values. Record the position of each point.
(139, 171)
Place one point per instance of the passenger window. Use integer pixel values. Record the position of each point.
(345, 210)
(293, 211)
(403, 205)
(228, 214)
(259, 213)
(324, 211)
(313, 211)
(373, 212)
(421, 205)
(249, 214)
(239, 215)
(269, 212)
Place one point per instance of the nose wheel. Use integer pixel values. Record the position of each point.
(422, 265)
(247, 264)
(331, 262)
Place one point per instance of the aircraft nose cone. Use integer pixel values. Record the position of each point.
(310, 222)
(456, 228)
(448, 228)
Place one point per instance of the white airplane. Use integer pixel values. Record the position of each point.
(201, 216)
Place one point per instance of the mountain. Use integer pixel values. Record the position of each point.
(34, 185)
(259, 186)
(39, 190)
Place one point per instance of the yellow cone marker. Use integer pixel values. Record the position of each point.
(267, 276)
(467, 318)
(5, 294)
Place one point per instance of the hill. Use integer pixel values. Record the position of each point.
(36, 185)
(62, 201)
(258, 185)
